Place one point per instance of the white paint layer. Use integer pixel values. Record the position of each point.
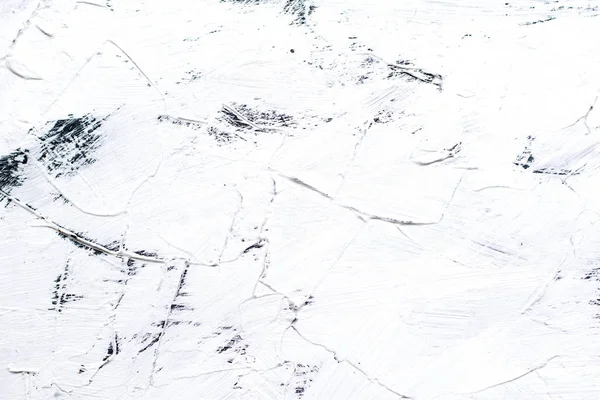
(299, 199)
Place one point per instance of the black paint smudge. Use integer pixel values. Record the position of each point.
(302, 378)
(10, 169)
(182, 280)
(59, 196)
(221, 136)
(526, 159)
(539, 21)
(257, 245)
(67, 146)
(132, 267)
(145, 253)
(310, 300)
(171, 307)
(552, 171)
(70, 144)
(153, 338)
(112, 348)
(300, 9)
(264, 119)
(415, 74)
(593, 274)
(114, 245)
(384, 117)
(79, 244)
(234, 344)
(234, 119)
(237, 122)
(190, 76)
(60, 297)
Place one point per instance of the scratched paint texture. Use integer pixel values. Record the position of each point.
(299, 199)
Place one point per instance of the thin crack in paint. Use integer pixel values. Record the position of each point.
(340, 360)
(365, 215)
(535, 369)
(87, 243)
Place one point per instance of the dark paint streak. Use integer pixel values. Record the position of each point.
(302, 378)
(60, 297)
(70, 144)
(526, 159)
(264, 119)
(539, 21)
(78, 244)
(257, 245)
(132, 267)
(146, 253)
(113, 348)
(427, 77)
(154, 340)
(235, 345)
(10, 169)
(595, 274)
(234, 119)
(171, 307)
(300, 9)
